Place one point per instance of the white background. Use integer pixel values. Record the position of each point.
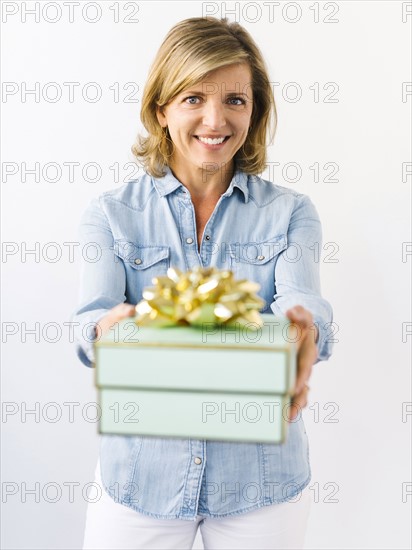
(365, 455)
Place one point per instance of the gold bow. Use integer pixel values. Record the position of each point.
(201, 295)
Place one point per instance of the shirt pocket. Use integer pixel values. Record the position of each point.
(256, 261)
(142, 263)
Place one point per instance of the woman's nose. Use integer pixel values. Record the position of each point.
(214, 114)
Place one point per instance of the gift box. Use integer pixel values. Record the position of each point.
(198, 361)
(204, 380)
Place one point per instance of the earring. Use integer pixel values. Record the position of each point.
(165, 136)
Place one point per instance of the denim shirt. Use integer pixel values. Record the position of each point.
(261, 231)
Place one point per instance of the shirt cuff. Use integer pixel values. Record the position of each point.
(86, 336)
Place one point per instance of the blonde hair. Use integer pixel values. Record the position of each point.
(191, 49)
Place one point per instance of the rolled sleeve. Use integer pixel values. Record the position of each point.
(297, 278)
(102, 279)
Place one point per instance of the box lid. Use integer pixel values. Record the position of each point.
(273, 334)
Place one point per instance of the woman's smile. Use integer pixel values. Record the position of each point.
(213, 144)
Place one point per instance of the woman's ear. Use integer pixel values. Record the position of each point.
(162, 119)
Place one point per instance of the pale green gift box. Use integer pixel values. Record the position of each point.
(228, 383)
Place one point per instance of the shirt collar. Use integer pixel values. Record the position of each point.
(169, 183)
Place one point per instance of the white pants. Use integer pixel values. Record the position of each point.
(111, 525)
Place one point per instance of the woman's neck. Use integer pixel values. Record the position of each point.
(204, 183)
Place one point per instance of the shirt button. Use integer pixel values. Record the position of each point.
(189, 240)
(198, 460)
(138, 261)
(207, 237)
(261, 257)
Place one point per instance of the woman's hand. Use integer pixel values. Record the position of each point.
(307, 354)
(116, 314)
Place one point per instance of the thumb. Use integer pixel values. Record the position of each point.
(124, 310)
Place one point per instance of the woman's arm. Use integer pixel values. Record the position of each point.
(297, 277)
(102, 282)
(298, 295)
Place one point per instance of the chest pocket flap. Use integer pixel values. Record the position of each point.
(258, 252)
(141, 257)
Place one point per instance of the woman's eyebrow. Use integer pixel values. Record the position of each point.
(194, 92)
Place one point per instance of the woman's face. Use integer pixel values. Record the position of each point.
(215, 109)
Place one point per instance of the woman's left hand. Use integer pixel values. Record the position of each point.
(307, 353)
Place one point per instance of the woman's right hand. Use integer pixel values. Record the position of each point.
(116, 314)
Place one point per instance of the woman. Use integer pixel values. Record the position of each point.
(207, 108)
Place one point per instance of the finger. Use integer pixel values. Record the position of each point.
(306, 359)
(130, 310)
(298, 402)
(119, 312)
(293, 411)
(302, 378)
(302, 320)
(124, 310)
(300, 315)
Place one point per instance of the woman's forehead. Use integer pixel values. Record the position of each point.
(241, 69)
(232, 76)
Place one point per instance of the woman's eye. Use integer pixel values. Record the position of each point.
(190, 98)
(195, 100)
(237, 99)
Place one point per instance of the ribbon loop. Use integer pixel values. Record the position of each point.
(201, 295)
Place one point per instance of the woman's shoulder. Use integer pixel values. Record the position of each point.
(132, 194)
(265, 192)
